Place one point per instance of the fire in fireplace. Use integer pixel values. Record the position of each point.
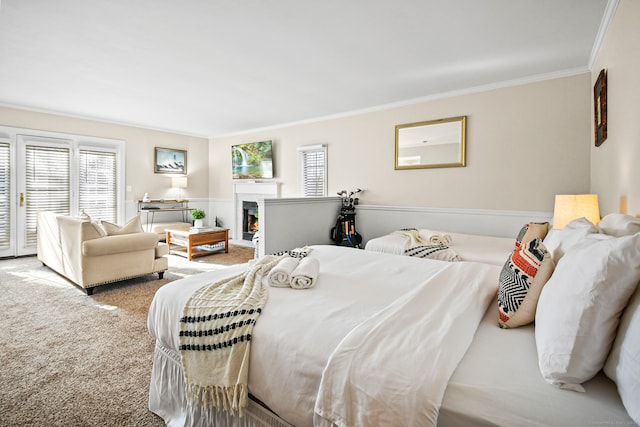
(249, 219)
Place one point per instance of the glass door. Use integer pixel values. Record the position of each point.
(6, 214)
(43, 184)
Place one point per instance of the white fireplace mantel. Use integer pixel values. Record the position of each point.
(250, 192)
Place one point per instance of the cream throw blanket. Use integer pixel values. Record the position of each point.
(215, 337)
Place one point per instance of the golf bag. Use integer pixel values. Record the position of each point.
(344, 233)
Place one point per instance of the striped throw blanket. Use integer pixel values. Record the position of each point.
(215, 336)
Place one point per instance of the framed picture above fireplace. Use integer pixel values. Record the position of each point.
(253, 160)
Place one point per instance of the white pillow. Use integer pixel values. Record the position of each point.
(579, 307)
(84, 215)
(623, 363)
(133, 226)
(558, 242)
(618, 225)
(94, 222)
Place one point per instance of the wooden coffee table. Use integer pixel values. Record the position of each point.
(198, 243)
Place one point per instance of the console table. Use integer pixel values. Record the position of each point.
(151, 207)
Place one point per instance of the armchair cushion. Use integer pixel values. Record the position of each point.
(162, 249)
(119, 244)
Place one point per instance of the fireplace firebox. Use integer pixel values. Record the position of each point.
(249, 219)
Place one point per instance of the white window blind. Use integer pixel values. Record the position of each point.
(313, 170)
(5, 191)
(97, 184)
(47, 184)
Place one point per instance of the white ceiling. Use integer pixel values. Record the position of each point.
(215, 67)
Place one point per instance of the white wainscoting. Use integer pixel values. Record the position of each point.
(288, 223)
(294, 222)
(374, 221)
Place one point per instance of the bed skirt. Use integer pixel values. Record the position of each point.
(167, 399)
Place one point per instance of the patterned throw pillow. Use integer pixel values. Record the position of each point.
(436, 251)
(521, 280)
(133, 226)
(531, 231)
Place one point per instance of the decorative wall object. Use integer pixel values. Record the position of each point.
(600, 108)
(431, 144)
(168, 160)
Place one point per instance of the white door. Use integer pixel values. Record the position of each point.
(43, 180)
(7, 211)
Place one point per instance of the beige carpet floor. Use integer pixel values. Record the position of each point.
(68, 359)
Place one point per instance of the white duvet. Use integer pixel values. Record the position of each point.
(374, 342)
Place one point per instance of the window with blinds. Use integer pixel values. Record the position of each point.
(47, 184)
(313, 170)
(97, 184)
(5, 192)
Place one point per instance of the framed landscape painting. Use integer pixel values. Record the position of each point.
(168, 160)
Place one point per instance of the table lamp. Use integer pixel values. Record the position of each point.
(572, 206)
(179, 182)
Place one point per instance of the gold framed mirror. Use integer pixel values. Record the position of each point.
(431, 144)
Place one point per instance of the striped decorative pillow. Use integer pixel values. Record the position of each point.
(531, 231)
(521, 280)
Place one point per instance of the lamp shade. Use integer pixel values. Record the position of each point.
(572, 206)
(179, 182)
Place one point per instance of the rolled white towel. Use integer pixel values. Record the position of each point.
(305, 274)
(280, 275)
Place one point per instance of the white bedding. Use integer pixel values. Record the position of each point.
(393, 368)
(470, 247)
(299, 329)
(496, 383)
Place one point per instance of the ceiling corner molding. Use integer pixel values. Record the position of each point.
(607, 17)
(413, 101)
(101, 120)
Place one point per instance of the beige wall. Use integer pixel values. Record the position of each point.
(525, 144)
(140, 145)
(614, 165)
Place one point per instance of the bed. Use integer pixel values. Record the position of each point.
(382, 339)
(470, 247)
